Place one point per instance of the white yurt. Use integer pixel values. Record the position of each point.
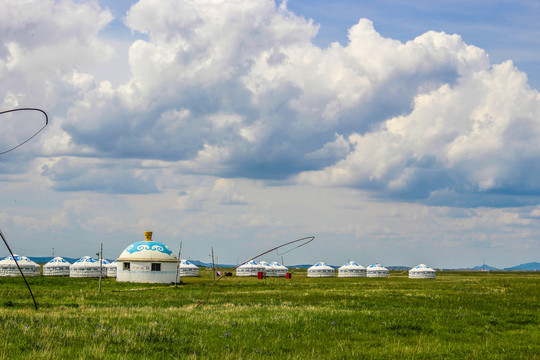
(422, 271)
(147, 261)
(251, 268)
(352, 269)
(188, 269)
(8, 267)
(321, 269)
(111, 268)
(57, 266)
(268, 268)
(279, 270)
(85, 267)
(376, 270)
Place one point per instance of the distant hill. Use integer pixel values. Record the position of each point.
(484, 267)
(532, 266)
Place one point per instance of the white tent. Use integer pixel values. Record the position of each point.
(8, 267)
(57, 266)
(268, 268)
(278, 269)
(251, 268)
(147, 261)
(188, 269)
(422, 272)
(352, 269)
(321, 269)
(376, 270)
(111, 268)
(85, 267)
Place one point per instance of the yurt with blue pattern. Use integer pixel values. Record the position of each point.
(278, 270)
(57, 266)
(8, 267)
(251, 268)
(86, 267)
(111, 268)
(376, 270)
(147, 261)
(422, 271)
(321, 269)
(189, 269)
(352, 269)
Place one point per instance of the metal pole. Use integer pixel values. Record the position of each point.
(100, 265)
(178, 264)
(213, 267)
(20, 270)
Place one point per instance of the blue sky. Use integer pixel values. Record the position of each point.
(398, 132)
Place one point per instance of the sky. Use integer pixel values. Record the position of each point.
(399, 132)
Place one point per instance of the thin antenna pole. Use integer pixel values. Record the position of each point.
(213, 267)
(20, 270)
(100, 265)
(178, 264)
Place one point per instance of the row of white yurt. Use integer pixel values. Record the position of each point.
(8, 267)
(252, 268)
(350, 269)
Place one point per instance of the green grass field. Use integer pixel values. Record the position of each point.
(456, 316)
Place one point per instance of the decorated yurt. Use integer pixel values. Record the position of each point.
(278, 269)
(85, 267)
(251, 268)
(147, 261)
(57, 266)
(188, 269)
(111, 268)
(321, 269)
(268, 268)
(8, 267)
(352, 269)
(422, 271)
(376, 270)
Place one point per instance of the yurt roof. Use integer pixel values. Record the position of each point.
(147, 250)
(111, 264)
(250, 264)
(352, 265)
(321, 266)
(422, 267)
(21, 260)
(186, 264)
(376, 266)
(279, 266)
(85, 262)
(57, 261)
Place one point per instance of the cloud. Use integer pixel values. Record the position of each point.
(102, 177)
(239, 90)
(475, 141)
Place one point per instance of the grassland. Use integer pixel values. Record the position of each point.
(456, 316)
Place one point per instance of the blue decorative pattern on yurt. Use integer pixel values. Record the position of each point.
(148, 245)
